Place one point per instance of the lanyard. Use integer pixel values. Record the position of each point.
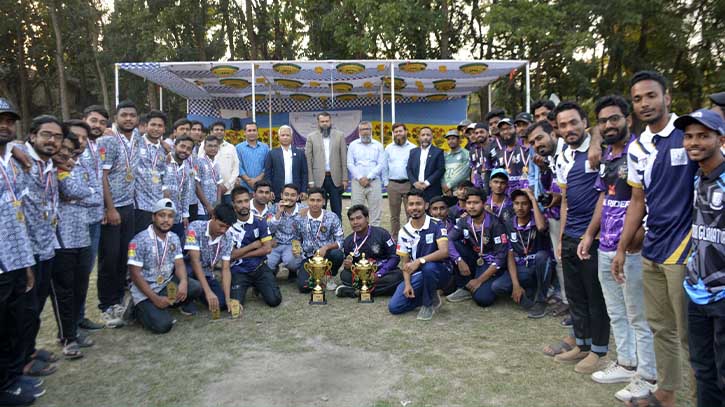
(475, 237)
(159, 260)
(356, 250)
(127, 153)
(218, 250)
(93, 147)
(309, 228)
(500, 209)
(211, 167)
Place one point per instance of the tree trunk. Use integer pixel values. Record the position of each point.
(151, 95)
(23, 94)
(60, 65)
(93, 34)
(224, 6)
(250, 30)
(446, 31)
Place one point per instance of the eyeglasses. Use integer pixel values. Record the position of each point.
(49, 135)
(611, 119)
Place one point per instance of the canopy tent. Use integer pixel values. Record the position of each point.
(242, 88)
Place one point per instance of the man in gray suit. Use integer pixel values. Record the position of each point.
(326, 152)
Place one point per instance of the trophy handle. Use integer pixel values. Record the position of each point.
(374, 270)
(328, 266)
(307, 267)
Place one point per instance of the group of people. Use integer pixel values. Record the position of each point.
(616, 232)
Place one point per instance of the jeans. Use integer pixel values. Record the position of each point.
(12, 322)
(335, 256)
(429, 278)
(534, 278)
(334, 195)
(283, 253)
(586, 301)
(707, 351)
(385, 285)
(112, 258)
(262, 279)
(95, 231)
(160, 321)
(68, 284)
(625, 306)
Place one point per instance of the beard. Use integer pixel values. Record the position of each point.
(615, 138)
(325, 131)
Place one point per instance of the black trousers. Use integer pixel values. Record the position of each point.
(13, 300)
(706, 330)
(335, 256)
(68, 286)
(112, 257)
(42, 271)
(586, 302)
(262, 278)
(141, 220)
(160, 321)
(334, 195)
(193, 212)
(383, 286)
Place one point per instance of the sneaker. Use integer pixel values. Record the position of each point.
(613, 373)
(331, 285)
(459, 295)
(189, 309)
(345, 291)
(526, 302)
(110, 319)
(16, 395)
(36, 391)
(425, 313)
(589, 364)
(567, 322)
(538, 310)
(84, 341)
(127, 306)
(89, 325)
(33, 381)
(437, 301)
(637, 387)
(571, 356)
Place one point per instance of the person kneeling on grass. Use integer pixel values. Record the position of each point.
(378, 246)
(155, 260)
(319, 230)
(252, 244)
(209, 245)
(423, 249)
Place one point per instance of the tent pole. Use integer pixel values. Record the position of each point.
(269, 108)
(382, 118)
(489, 97)
(527, 103)
(161, 98)
(392, 91)
(187, 107)
(115, 81)
(254, 97)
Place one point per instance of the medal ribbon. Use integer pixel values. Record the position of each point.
(358, 246)
(531, 235)
(159, 260)
(500, 209)
(11, 190)
(93, 147)
(218, 250)
(473, 230)
(127, 153)
(211, 166)
(309, 228)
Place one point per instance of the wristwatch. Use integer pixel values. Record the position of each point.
(422, 260)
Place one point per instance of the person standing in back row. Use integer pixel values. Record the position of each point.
(396, 155)
(326, 152)
(252, 154)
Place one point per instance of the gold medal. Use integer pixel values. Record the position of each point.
(480, 261)
(171, 291)
(45, 215)
(525, 171)
(155, 179)
(17, 203)
(159, 279)
(21, 217)
(129, 176)
(54, 222)
(236, 308)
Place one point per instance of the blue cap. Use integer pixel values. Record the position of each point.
(7, 107)
(499, 172)
(705, 117)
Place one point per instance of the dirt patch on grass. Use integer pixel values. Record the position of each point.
(321, 374)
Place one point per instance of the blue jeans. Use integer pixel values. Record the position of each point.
(282, 253)
(625, 306)
(425, 282)
(534, 278)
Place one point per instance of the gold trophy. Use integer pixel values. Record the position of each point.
(365, 271)
(317, 267)
(171, 290)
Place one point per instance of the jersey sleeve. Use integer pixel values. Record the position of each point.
(135, 253)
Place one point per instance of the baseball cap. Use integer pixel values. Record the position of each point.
(164, 204)
(524, 117)
(481, 125)
(464, 123)
(452, 133)
(718, 98)
(705, 117)
(499, 172)
(7, 107)
(505, 120)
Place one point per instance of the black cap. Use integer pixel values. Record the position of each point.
(524, 117)
(481, 125)
(718, 98)
(7, 107)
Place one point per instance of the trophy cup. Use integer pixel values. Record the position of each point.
(317, 267)
(171, 290)
(365, 271)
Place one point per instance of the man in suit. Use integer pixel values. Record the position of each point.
(326, 152)
(286, 165)
(426, 165)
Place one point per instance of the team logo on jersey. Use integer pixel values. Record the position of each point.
(63, 175)
(191, 237)
(514, 238)
(716, 200)
(375, 248)
(390, 243)
(172, 247)
(611, 190)
(622, 172)
(444, 232)
(102, 153)
(132, 250)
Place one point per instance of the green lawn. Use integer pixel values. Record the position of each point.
(341, 354)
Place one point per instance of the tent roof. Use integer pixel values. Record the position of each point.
(301, 84)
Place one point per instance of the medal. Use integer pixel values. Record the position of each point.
(17, 203)
(128, 155)
(54, 222)
(159, 279)
(171, 290)
(480, 261)
(155, 179)
(20, 216)
(356, 250)
(482, 241)
(45, 215)
(160, 259)
(129, 176)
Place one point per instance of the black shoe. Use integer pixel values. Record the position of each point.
(16, 395)
(345, 291)
(189, 309)
(526, 303)
(538, 310)
(566, 322)
(89, 325)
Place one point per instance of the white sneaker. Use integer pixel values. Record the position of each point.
(110, 319)
(331, 285)
(637, 387)
(613, 373)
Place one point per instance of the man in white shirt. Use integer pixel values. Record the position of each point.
(286, 164)
(396, 156)
(226, 158)
(365, 160)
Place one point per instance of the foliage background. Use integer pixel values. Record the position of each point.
(57, 56)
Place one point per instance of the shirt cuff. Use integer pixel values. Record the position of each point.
(135, 263)
(426, 183)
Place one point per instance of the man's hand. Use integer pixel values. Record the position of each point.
(618, 267)
(582, 251)
(161, 302)
(209, 210)
(23, 159)
(182, 291)
(303, 212)
(473, 285)
(344, 185)
(558, 252)
(595, 149)
(212, 300)
(445, 188)
(113, 217)
(463, 268)
(531, 196)
(30, 277)
(516, 293)
(420, 185)
(408, 291)
(323, 251)
(364, 182)
(303, 196)
(411, 266)
(185, 222)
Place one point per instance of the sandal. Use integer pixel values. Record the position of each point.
(72, 351)
(559, 310)
(38, 368)
(650, 399)
(44, 356)
(561, 347)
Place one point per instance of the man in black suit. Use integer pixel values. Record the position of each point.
(286, 165)
(426, 165)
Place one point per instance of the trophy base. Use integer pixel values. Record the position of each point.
(365, 298)
(318, 298)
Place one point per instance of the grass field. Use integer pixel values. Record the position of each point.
(341, 354)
